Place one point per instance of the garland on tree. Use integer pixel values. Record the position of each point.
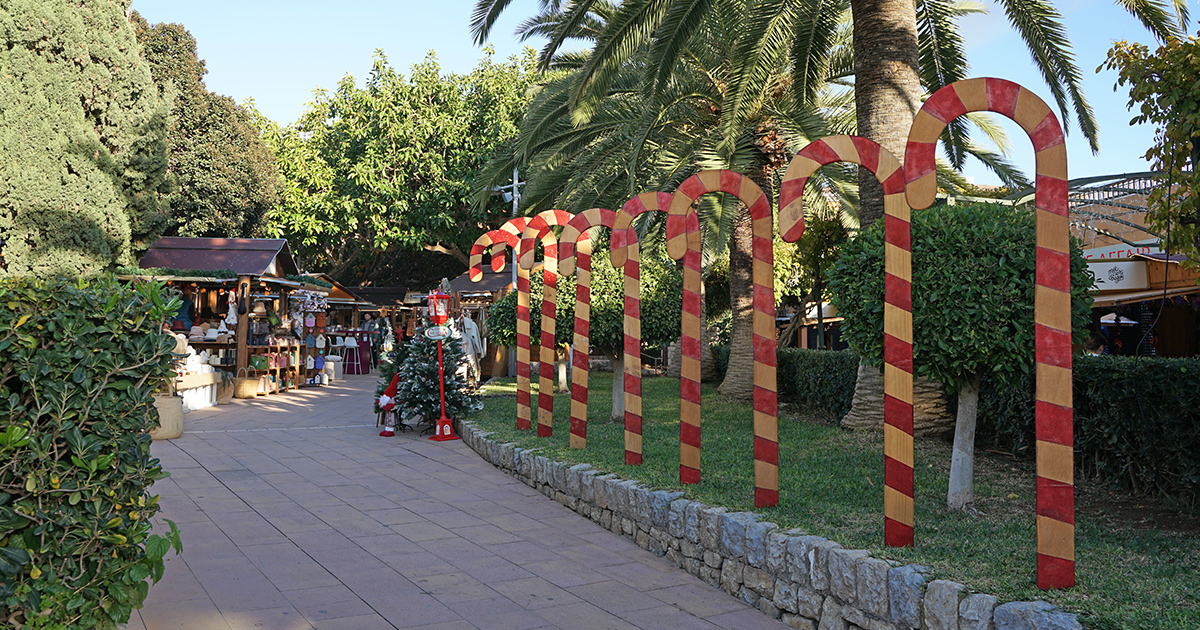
(414, 368)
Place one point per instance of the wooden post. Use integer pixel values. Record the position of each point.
(243, 325)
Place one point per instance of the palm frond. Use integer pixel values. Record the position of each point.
(817, 38)
(484, 17)
(1040, 25)
(626, 32)
(680, 22)
(1153, 14)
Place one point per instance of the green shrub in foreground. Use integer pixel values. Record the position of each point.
(79, 362)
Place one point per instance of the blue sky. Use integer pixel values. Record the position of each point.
(278, 52)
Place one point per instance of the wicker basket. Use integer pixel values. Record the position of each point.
(245, 386)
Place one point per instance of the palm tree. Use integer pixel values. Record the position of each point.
(899, 47)
(634, 140)
(726, 105)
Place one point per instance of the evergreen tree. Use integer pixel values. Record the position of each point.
(418, 393)
(227, 176)
(83, 171)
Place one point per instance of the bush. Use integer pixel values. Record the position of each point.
(79, 362)
(816, 379)
(1137, 422)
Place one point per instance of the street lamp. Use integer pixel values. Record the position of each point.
(439, 312)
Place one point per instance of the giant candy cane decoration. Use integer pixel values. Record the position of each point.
(897, 309)
(537, 230)
(575, 256)
(626, 254)
(509, 236)
(680, 226)
(1052, 294)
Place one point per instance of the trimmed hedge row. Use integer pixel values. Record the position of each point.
(1137, 422)
(1137, 419)
(79, 363)
(817, 379)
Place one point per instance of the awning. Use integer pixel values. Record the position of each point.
(1116, 299)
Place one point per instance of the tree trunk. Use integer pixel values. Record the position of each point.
(617, 359)
(560, 362)
(931, 413)
(887, 95)
(739, 375)
(962, 463)
(887, 87)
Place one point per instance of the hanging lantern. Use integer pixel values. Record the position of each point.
(439, 307)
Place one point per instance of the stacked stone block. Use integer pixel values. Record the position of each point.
(805, 581)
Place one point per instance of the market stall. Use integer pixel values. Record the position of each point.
(236, 315)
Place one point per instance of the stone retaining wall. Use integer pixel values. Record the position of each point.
(808, 582)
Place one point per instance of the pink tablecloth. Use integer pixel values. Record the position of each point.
(363, 365)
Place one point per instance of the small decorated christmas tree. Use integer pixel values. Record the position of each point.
(417, 393)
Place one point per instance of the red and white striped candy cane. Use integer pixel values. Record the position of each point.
(897, 309)
(1052, 293)
(681, 224)
(625, 253)
(509, 236)
(537, 230)
(575, 256)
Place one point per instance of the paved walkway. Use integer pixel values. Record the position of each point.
(295, 514)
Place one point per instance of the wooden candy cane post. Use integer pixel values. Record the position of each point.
(625, 253)
(679, 245)
(509, 236)
(1052, 294)
(897, 309)
(575, 256)
(537, 230)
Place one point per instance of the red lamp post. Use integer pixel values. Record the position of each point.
(439, 312)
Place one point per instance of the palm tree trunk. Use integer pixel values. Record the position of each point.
(887, 88)
(739, 376)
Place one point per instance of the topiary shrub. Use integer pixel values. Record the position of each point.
(79, 362)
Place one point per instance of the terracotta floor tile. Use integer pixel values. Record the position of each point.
(295, 514)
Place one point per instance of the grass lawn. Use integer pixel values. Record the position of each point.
(831, 485)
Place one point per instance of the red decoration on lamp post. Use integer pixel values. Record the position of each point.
(439, 312)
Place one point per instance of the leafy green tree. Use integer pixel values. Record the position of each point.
(1163, 88)
(661, 284)
(83, 170)
(373, 172)
(972, 294)
(226, 175)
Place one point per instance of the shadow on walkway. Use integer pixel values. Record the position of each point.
(295, 514)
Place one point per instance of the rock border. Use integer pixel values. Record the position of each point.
(807, 582)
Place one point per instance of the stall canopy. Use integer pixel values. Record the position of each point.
(342, 295)
(490, 284)
(245, 256)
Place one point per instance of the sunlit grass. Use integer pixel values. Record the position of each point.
(831, 485)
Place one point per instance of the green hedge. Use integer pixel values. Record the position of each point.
(816, 379)
(1137, 422)
(79, 362)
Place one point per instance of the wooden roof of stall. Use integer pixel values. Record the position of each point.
(489, 283)
(340, 294)
(245, 256)
(381, 296)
